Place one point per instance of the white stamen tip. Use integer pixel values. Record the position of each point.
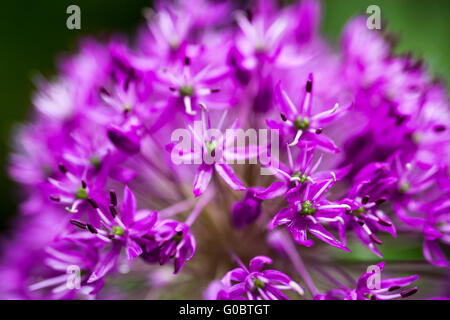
(333, 175)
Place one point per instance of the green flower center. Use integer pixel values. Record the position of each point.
(404, 187)
(95, 161)
(358, 212)
(258, 283)
(186, 90)
(178, 237)
(307, 208)
(301, 123)
(301, 177)
(118, 231)
(211, 146)
(81, 194)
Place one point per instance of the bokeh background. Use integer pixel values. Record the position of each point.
(33, 34)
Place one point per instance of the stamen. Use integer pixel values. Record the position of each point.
(375, 239)
(62, 168)
(380, 201)
(365, 199)
(309, 86)
(104, 91)
(215, 90)
(283, 117)
(319, 131)
(92, 203)
(384, 222)
(83, 184)
(78, 223)
(128, 79)
(297, 138)
(55, 198)
(187, 61)
(188, 105)
(113, 211)
(91, 229)
(172, 89)
(408, 292)
(393, 288)
(113, 197)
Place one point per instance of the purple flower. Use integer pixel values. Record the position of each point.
(368, 289)
(247, 210)
(364, 216)
(169, 240)
(306, 211)
(253, 283)
(126, 230)
(300, 124)
(300, 172)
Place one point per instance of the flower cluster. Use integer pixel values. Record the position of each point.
(108, 193)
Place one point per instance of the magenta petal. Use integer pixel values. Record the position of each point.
(227, 174)
(106, 264)
(282, 217)
(128, 206)
(202, 179)
(285, 104)
(126, 141)
(276, 189)
(132, 249)
(257, 263)
(122, 174)
(434, 254)
(320, 232)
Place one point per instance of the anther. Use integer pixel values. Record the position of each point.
(393, 288)
(319, 131)
(83, 184)
(91, 229)
(384, 222)
(172, 89)
(55, 198)
(439, 128)
(113, 211)
(92, 203)
(62, 168)
(365, 199)
(283, 117)
(113, 197)
(375, 239)
(408, 292)
(380, 201)
(78, 224)
(104, 91)
(215, 90)
(187, 61)
(309, 86)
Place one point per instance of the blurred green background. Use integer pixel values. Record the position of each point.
(34, 33)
